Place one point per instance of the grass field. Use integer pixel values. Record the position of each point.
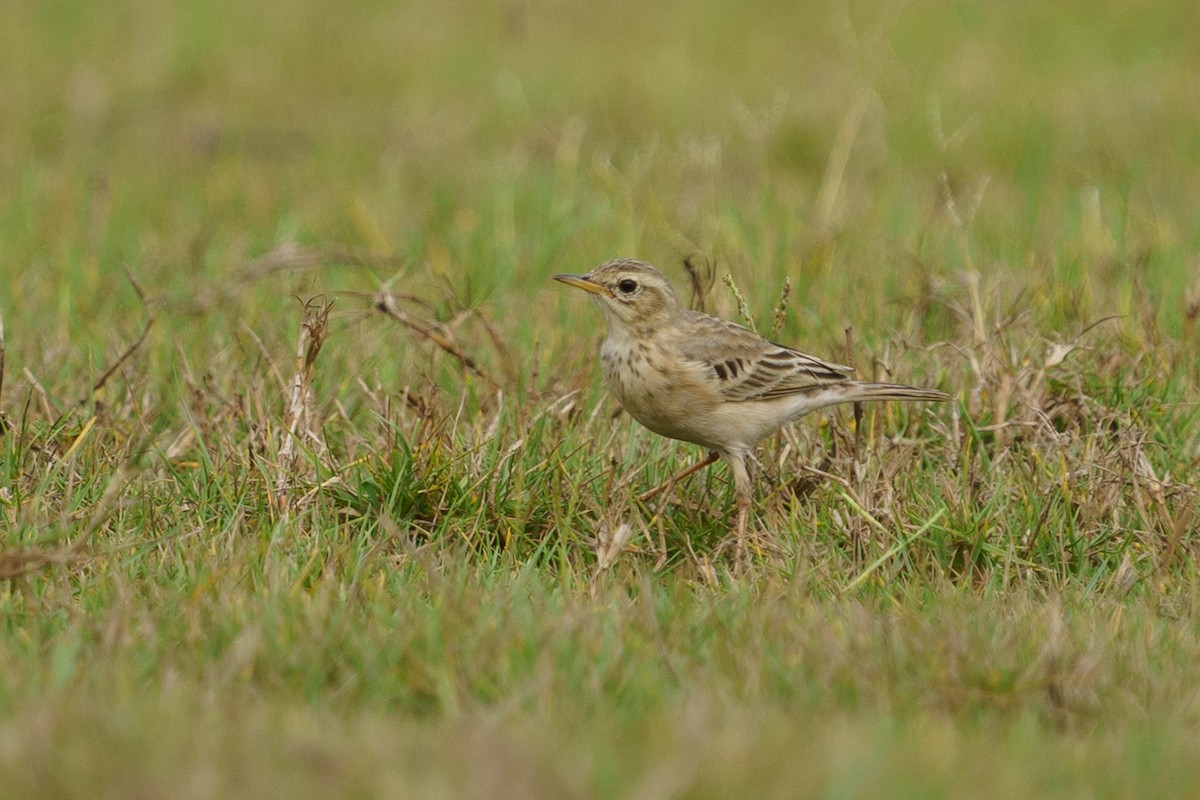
(307, 471)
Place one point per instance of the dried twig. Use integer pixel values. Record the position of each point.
(16, 563)
(129, 351)
(385, 301)
(289, 255)
(858, 407)
(300, 416)
(508, 363)
(103, 379)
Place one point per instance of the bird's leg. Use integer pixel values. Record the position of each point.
(743, 517)
(743, 489)
(712, 456)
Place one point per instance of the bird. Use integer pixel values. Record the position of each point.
(690, 376)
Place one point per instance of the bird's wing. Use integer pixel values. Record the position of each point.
(744, 366)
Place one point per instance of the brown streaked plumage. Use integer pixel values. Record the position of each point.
(690, 376)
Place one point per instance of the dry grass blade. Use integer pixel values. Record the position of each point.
(121, 359)
(301, 418)
(132, 348)
(830, 192)
(385, 301)
(15, 563)
(701, 280)
(609, 543)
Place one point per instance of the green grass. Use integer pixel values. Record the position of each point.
(995, 597)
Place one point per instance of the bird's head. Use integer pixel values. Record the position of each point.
(631, 293)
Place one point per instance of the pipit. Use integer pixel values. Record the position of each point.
(693, 377)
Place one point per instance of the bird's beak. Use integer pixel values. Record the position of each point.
(583, 282)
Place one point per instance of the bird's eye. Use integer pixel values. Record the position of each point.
(627, 286)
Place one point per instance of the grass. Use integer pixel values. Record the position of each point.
(255, 544)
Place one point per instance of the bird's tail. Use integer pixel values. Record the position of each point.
(830, 394)
(860, 391)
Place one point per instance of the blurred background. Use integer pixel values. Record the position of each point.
(231, 155)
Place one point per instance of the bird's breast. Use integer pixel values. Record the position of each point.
(662, 393)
